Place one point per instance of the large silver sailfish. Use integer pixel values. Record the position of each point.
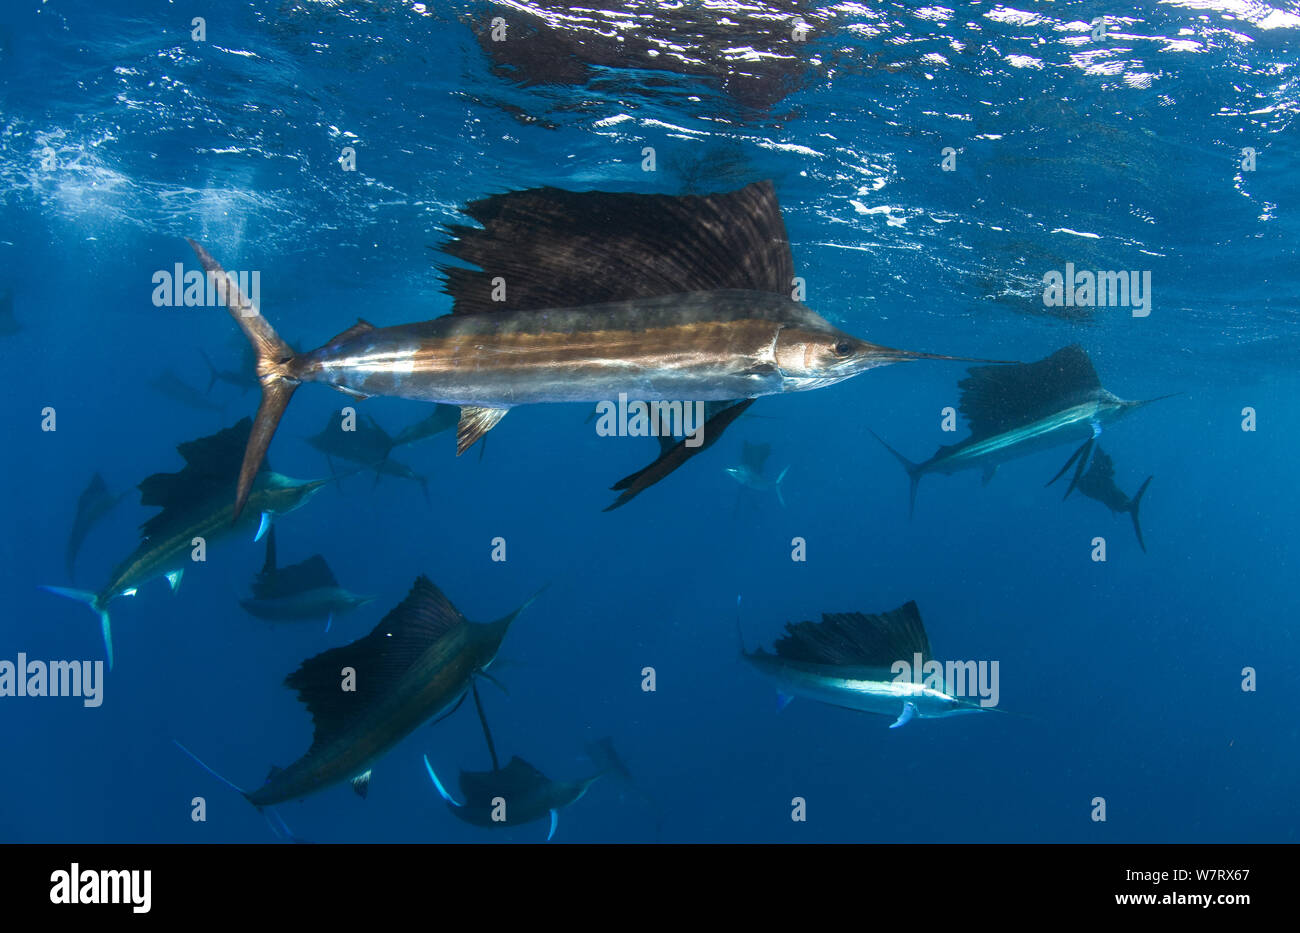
(578, 297)
(1021, 409)
(871, 663)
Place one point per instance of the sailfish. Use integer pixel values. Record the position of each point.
(1020, 409)
(511, 796)
(578, 297)
(305, 590)
(195, 503)
(519, 793)
(418, 663)
(849, 659)
(94, 503)
(1098, 482)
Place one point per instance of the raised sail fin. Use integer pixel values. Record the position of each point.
(558, 249)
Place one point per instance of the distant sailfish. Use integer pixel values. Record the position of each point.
(94, 503)
(1099, 483)
(1021, 409)
(178, 390)
(579, 297)
(848, 659)
(9, 325)
(511, 796)
(750, 471)
(195, 503)
(366, 443)
(305, 590)
(419, 662)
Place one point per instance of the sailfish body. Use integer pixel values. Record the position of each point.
(195, 503)
(511, 796)
(416, 664)
(579, 297)
(847, 660)
(306, 590)
(1099, 483)
(1020, 409)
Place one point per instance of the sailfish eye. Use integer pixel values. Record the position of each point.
(843, 348)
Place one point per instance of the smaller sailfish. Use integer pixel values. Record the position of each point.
(442, 418)
(750, 472)
(848, 659)
(519, 793)
(195, 503)
(366, 444)
(511, 796)
(306, 590)
(419, 662)
(94, 503)
(1021, 409)
(1099, 483)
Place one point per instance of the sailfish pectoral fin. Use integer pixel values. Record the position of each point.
(1084, 460)
(909, 710)
(1073, 457)
(675, 456)
(442, 791)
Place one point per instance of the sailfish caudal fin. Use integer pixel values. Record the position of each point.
(1133, 511)
(274, 370)
(913, 473)
(92, 600)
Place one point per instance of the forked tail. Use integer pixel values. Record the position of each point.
(1133, 511)
(105, 626)
(274, 370)
(273, 819)
(913, 473)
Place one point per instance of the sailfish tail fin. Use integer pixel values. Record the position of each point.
(1133, 511)
(92, 600)
(275, 360)
(913, 473)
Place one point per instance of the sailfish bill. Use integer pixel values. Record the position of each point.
(658, 297)
(1020, 409)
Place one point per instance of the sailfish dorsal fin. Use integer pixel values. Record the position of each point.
(516, 778)
(303, 577)
(998, 398)
(378, 660)
(755, 456)
(853, 639)
(558, 249)
(1102, 468)
(210, 464)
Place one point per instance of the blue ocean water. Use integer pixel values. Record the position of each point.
(121, 134)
